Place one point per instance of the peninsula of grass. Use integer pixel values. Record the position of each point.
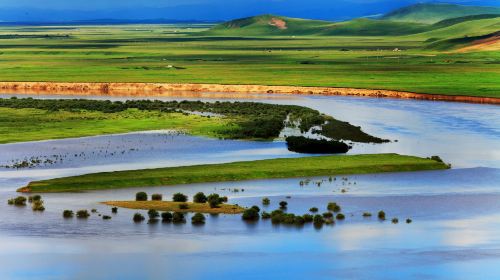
(238, 171)
(175, 206)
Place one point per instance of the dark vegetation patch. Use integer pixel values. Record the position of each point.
(302, 144)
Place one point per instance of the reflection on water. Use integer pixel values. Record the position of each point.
(455, 232)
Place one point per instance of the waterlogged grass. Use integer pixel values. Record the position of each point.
(174, 206)
(238, 171)
(19, 125)
(145, 53)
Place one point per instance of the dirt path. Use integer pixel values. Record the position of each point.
(164, 89)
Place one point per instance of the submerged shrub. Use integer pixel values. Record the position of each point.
(381, 215)
(183, 206)
(19, 201)
(166, 217)
(93, 210)
(367, 214)
(408, 221)
(82, 214)
(332, 206)
(301, 144)
(138, 217)
(35, 197)
(340, 216)
(266, 201)
(200, 198)
(198, 219)
(114, 210)
(178, 218)
(299, 220)
(67, 214)
(157, 197)
(265, 215)
(327, 215)
(214, 200)
(179, 197)
(256, 208)
(395, 220)
(314, 209)
(106, 217)
(38, 206)
(283, 204)
(288, 219)
(307, 218)
(318, 220)
(153, 214)
(250, 214)
(141, 196)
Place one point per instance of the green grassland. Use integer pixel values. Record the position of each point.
(237, 171)
(358, 54)
(174, 206)
(19, 125)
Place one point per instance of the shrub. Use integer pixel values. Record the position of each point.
(67, 214)
(299, 220)
(93, 210)
(277, 212)
(20, 201)
(114, 210)
(395, 220)
(265, 215)
(214, 200)
(224, 199)
(408, 221)
(157, 197)
(288, 219)
(367, 214)
(437, 158)
(250, 214)
(183, 206)
(381, 215)
(10, 201)
(340, 216)
(318, 220)
(82, 214)
(138, 217)
(166, 217)
(313, 209)
(38, 206)
(153, 214)
(141, 196)
(179, 197)
(327, 215)
(332, 206)
(106, 217)
(301, 144)
(256, 208)
(35, 197)
(266, 201)
(283, 204)
(198, 219)
(200, 198)
(307, 218)
(178, 218)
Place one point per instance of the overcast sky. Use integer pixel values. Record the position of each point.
(56, 10)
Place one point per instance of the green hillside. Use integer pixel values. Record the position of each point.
(433, 13)
(372, 27)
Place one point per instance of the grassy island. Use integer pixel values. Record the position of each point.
(238, 171)
(174, 206)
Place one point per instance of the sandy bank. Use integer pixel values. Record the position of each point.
(159, 89)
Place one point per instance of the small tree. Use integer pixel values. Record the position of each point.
(327, 215)
(367, 214)
(114, 210)
(67, 214)
(409, 221)
(307, 218)
(250, 214)
(214, 200)
(198, 219)
(283, 204)
(82, 214)
(332, 206)
(314, 209)
(106, 217)
(141, 196)
(38, 206)
(395, 220)
(318, 220)
(178, 218)
(266, 201)
(20, 201)
(166, 217)
(200, 198)
(153, 214)
(183, 206)
(179, 197)
(340, 216)
(157, 197)
(381, 215)
(265, 215)
(256, 208)
(138, 217)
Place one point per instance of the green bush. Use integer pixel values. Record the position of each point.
(93, 210)
(114, 210)
(318, 220)
(138, 217)
(157, 197)
(256, 208)
(18, 201)
(250, 214)
(82, 214)
(200, 198)
(307, 218)
(198, 219)
(38, 206)
(183, 206)
(178, 218)
(283, 204)
(327, 215)
(314, 209)
(179, 197)
(141, 196)
(214, 200)
(299, 220)
(395, 220)
(265, 215)
(288, 219)
(67, 214)
(367, 214)
(166, 217)
(409, 221)
(332, 206)
(35, 197)
(266, 201)
(106, 217)
(340, 216)
(381, 215)
(153, 214)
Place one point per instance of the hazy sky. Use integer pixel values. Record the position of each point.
(56, 10)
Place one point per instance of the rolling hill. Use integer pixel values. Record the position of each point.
(433, 13)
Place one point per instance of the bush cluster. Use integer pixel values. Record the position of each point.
(179, 197)
(141, 196)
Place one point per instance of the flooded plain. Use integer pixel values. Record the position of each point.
(454, 234)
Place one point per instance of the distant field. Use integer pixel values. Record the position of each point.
(238, 171)
(175, 53)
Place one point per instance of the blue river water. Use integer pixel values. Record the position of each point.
(454, 234)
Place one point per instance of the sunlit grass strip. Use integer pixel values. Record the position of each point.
(238, 171)
(174, 206)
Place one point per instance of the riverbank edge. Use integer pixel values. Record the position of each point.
(331, 165)
(159, 89)
(174, 206)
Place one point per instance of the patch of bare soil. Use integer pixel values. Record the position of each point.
(279, 23)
